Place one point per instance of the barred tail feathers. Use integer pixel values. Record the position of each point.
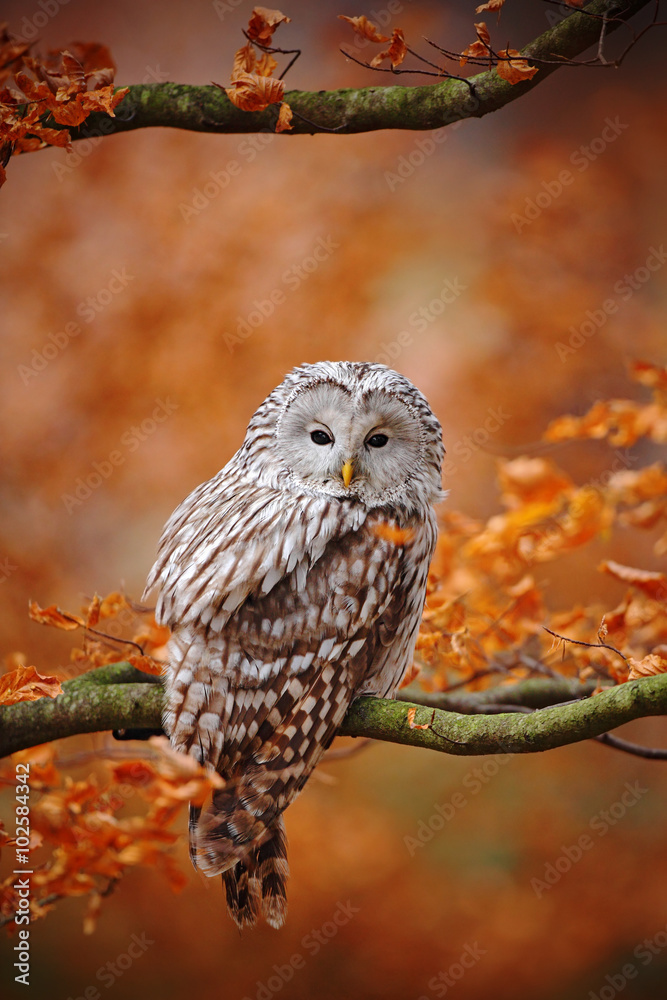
(257, 885)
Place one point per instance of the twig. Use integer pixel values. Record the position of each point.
(649, 753)
(283, 52)
(593, 645)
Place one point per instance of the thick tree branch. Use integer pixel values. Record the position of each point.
(112, 697)
(543, 729)
(208, 109)
(531, 693)
(120, 697)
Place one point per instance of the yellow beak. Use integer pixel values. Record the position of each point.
(347, 473)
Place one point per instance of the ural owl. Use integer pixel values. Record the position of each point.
(293, 581)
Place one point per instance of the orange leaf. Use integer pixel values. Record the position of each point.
(526, 480)
(97, 61)
(652, 584)
(73, 70)
(476, 50)
(25, 684)
(71, 114)
(364, 27)
(654, 376)
(396, 51)
(409, 675)
(153, 637)
(54, 616)
(263, 23)
(483, 33)
(479, 48)
(266, 65)
(103, 99)
(93, 612)
(648, 666)
(244, 61)
(491, 6)
(33, 91)
(112, 604)
(411, 720)
(145, 663)
(134, 772)
(392, 533)
(284, 118)
(511, 68)
(254, 93)
(48, 136)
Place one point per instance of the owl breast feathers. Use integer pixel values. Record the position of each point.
(293, 581)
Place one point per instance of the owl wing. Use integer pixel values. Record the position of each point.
(232, 538)
(281, 605)
(273, 685)
(336, 618)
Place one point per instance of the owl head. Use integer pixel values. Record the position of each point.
(356, 431)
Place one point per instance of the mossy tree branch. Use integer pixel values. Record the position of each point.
(119, 697)
(208, 109)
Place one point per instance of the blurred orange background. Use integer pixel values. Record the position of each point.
(429, 260)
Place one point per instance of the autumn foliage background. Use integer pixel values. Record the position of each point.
(163, 376)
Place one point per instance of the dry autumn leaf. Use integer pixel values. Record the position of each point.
(254, 93)
(113, 604)
(64, 90)
(476, 50)
(652, 584)
(411, 720)
(153, 638)
(263, 23)
(395, 53)
(180, 777)
(479, 48)
(392, 533)
(246, 61)
(483, 33)
(491, 6)
(146, 664)
(648, 666)
(512, 67)
(527, 480)
(648, 374)
(364, 27)
(93, 612)
(266, 65)
(284, 118)
(26, 684)
(55, 617)
(410, 675)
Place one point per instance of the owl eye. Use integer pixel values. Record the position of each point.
(377, 440)
(321, 437)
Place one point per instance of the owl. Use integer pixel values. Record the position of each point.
(293, 582)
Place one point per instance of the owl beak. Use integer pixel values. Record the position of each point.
(347, 472)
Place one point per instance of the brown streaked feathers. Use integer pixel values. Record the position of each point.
(289, 592)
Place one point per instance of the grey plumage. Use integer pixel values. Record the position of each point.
(294, 581)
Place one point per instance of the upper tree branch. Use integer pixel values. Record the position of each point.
(208, 109)
(120, 697)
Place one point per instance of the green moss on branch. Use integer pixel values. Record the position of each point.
(119, 697)
(208, 109)
(544, 729)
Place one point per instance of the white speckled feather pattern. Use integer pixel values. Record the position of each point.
(290, 592)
